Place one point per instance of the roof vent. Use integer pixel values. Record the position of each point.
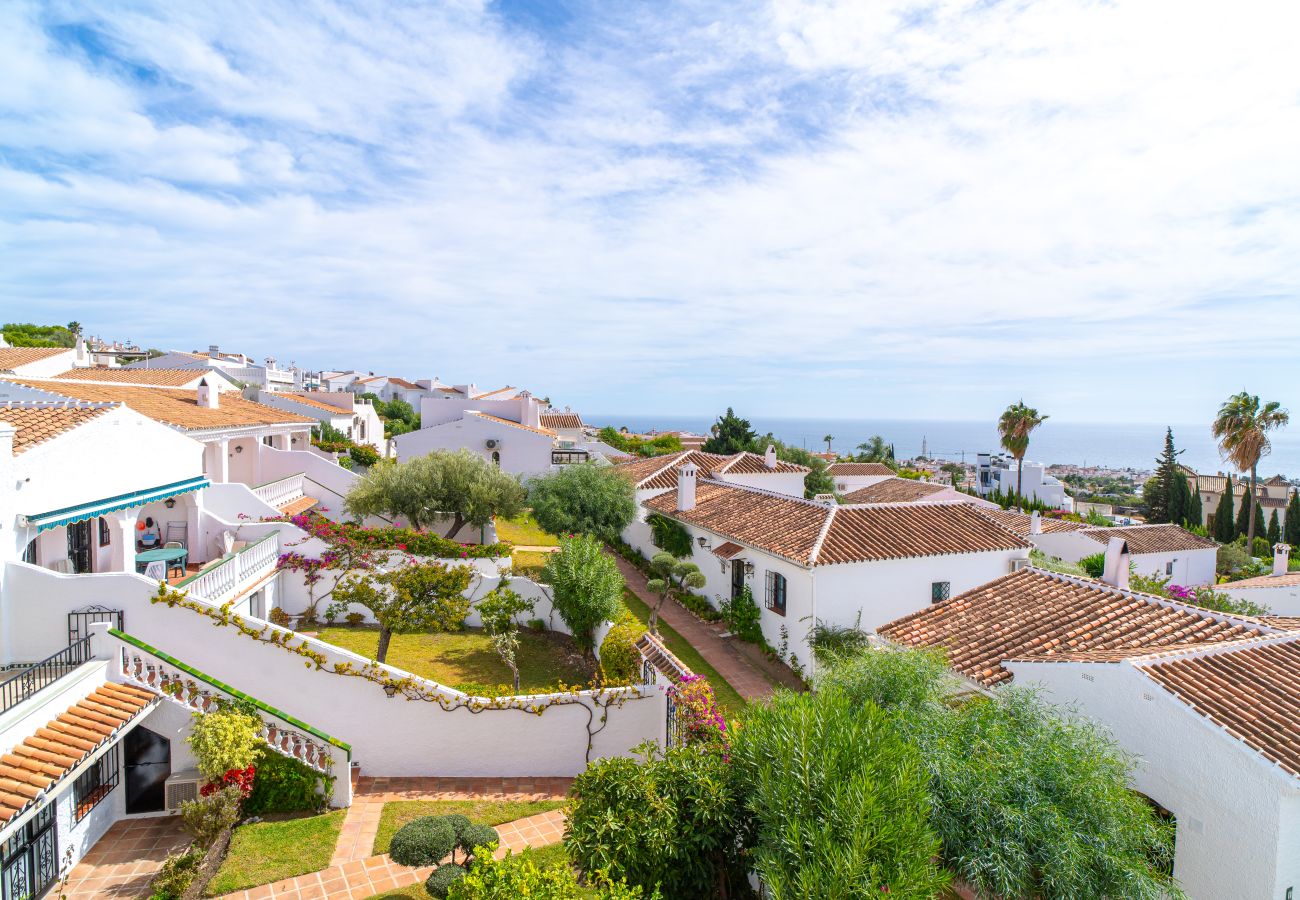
(686, 487)
(1281, 558)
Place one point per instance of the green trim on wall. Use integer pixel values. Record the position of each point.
(222, 686)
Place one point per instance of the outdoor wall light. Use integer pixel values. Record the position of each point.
(170, 503)
(703, 541)
(749, 568)
(239, 448)
(390, 690)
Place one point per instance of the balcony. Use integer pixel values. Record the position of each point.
(281, 492)
(236, 573)
(25, 683)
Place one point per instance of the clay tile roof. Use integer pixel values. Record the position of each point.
(486, 394)
(309, 401)
(1252, 692)
(34, 766)
(13, 357)
(403, 383)
(511, 423)
(894, 490)
(745, 463)
(1018, 522)
(727, 550)
(812, 533)
(1152, 538)
(859, 469)
(153, 377)
(1038, 615)
(37, 422)
(1277, 480)
(1286, 623)
(174, 406)
(561, 420)
(1290, 579)
(660, 472)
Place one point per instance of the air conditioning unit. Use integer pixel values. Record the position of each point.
(492, 443)
(181, 787)
(1018, 564)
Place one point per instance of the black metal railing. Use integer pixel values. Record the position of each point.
(32, 679)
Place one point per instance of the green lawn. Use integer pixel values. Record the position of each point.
(524, 531)
(542, 857)
(528, 562)
(268, 851)
(485, 812)
(466, 661)
(730, 701)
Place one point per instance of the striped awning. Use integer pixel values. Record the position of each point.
(96, 508)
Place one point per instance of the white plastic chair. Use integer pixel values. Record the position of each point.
(156, 570)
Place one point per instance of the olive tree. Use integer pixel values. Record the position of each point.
(414, 596)
(671, 574)
(583, 499)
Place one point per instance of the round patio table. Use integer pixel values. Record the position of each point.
(162, 554)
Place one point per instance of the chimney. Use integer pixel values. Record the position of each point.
(1035, 523)
(686, 487)
(206, 395)
(1281, 558)
(213, 352)
(770, 456)
(1117, 562)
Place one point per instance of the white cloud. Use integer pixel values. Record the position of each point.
(784, 207)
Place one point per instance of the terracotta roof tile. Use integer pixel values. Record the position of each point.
(894, 490)
(13, 357)
(727, 549)
(151, 377)
(1033, 614)
(37, 421)
(1152, 538)
(173, 406)
(853, 468)
(1252, 692)
(660, 472)
(403, 383)
(30, 769)
(1286, 623)
(1019, 522)
(511, 423)
(497, 393)
(310, 401)
(1290, 579)
(561, 420)
(812, 533)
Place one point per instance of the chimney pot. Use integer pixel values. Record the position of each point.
(686, 487)
(1281, 558)
(1036, 523)
(206, 395)
(770, 456)
(1116, 572)
(213, 351)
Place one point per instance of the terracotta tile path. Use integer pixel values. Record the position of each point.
(740, 672)
(125, 858)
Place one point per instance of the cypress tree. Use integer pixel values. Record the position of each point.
(1225, 529)
(1195, 514)
(1291, 533)
(1180, 499)
(1243, 515)
(1261, 529)
(1274, 530)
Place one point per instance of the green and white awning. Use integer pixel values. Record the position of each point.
(96, 508)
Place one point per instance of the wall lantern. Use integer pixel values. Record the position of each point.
(239, 448)
(749, 568)
(390, 690)
(703, 541)
(170, 503)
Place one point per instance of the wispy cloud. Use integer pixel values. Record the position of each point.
(894, 208)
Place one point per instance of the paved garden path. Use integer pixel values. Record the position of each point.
(741, 673)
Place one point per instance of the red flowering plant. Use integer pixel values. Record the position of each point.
(240, 778)
(699, 721)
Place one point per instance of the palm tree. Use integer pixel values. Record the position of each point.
(875, 450)
(828, 438)
(1015, 426)
(1242, 428)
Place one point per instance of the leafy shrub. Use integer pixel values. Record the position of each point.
(277, 616)
(586, 587)
(889, 679)
(583, 499)
(830, 641)
(439, 883)
(416, 543)
(363, 455)
(620, 661)
(1094, 565)
(207, 817)
(669, 822)
(837, 800)
(223, 740)
(458, 822)
(1230, 558)
(177, 873)
(341, 446)
(518, 876)
(1263, 548)
(354, 618)
(477, 836)
(423, 842)
(670, 536)
(743, 617)
(346, 462)
(537, 625)
(698, 605)
(285, 785)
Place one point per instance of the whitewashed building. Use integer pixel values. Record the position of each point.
(1279, 590)
(1203, 701)
(268, 375)
(996, 472)
(657, 475)
(853, 476)
(340, 410)
(36, 362)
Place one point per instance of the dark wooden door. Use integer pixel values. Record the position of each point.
(79, 546)
(737, 579)
(148, 765)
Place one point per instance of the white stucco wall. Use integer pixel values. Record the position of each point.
(1230, 804)
(1281, 601)
(522, 452)
(788, 483)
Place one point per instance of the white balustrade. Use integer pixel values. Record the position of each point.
(278, 493)
(233, 574)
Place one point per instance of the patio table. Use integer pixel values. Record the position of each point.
(162, 554)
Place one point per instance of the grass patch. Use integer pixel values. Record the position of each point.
(268, 851)
(528, 562)
(466, 661)
(486, 812)
(730, 701)
(523, 530)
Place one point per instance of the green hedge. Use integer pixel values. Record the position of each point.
(284, 785)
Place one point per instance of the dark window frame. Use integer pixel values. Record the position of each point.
(777, 592)
(940, 591)
(105, 533)
(95, 783)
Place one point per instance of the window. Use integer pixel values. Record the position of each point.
(29, 860)
(29, 555)
(95, 784)
(1169, 567)
(269, 440)
(940, 591)
(776, 592)
(105, 535)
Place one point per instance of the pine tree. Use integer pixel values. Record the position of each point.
(1195, 514)
(1274, 530)
(1159, 493)
(1291, 533)
(1225, 529)
(1180, 499)
(732, 434)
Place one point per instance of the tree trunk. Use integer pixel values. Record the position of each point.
(381, 652)
(457, 523)
(514, 670)
(653, 624)
(1020, 472)
(1250, 529)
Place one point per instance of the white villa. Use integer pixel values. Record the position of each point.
(657, 475)
(267, 375)
(1279, 590)
(805, 560)
(339, 409)
(1205, 701)
(36, 362)
(853, 476)
(997, 472)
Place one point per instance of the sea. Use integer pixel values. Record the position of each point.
(1114, 446)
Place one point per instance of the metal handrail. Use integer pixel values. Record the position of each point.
(29, 681)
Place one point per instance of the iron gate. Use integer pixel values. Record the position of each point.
(79, 621)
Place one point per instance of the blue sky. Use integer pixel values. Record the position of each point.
(876, 209)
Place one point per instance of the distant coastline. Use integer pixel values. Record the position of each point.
(1118, 446)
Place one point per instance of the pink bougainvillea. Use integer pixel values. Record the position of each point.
(699, 721)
